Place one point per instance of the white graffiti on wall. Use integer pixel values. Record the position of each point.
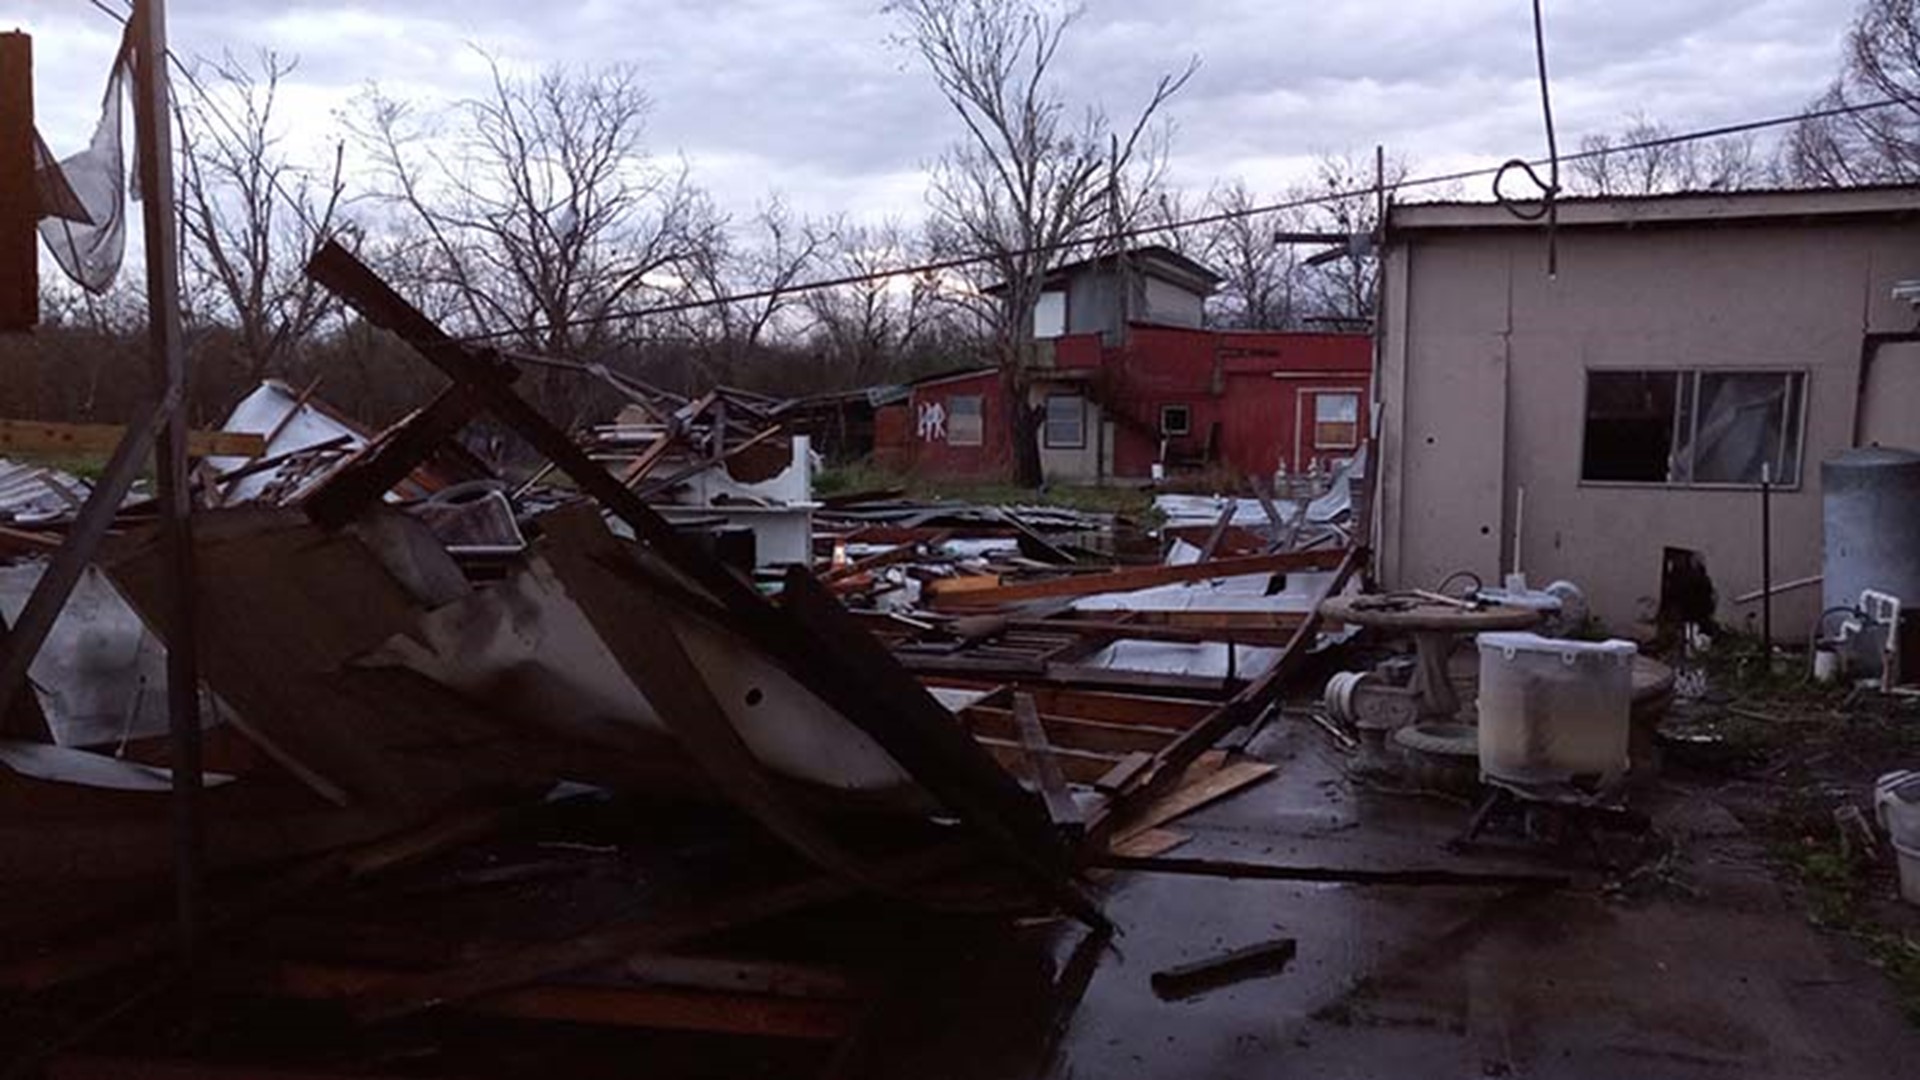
(932, 425)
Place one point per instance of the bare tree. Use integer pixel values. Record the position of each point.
(776, 252)
(1030, 178)
(1260, 275)
(249, 217)
(1872, 146)
(536, 209)
(864, 330)
(1336, 284)
(1637, 160)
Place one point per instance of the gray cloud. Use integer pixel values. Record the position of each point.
(809, 98)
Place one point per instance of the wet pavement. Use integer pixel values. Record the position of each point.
(1704, 971)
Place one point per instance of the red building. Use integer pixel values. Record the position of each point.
(1121, 397)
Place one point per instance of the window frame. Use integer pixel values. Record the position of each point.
(1048, 333)
(1046, 423)
(1352, 443)
(1687, 389)
(1186, 428)
(980, 410)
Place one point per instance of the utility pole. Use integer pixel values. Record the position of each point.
(19, 202)
(154, 139)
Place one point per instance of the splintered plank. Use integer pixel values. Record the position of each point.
(1080, 766)
(403, 995)
(613, 1004)
(1072, 734)
(1061, 808)
(1142, 577)
(1193, 795)
(1253, 871)
(365, 481)
(1150, 842)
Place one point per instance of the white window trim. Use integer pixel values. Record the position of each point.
(1046, 423)
(1185, 429)
(1303, 425)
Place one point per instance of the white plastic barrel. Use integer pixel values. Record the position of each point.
(1552, 711)
(1896, 802)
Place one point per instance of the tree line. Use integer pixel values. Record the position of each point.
(535, 212)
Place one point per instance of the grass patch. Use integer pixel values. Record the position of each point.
(1840, 890)
(1132, 502)
(87, 467)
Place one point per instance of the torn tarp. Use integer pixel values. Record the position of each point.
(85, 196)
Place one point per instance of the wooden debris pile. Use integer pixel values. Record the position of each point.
(405, 682)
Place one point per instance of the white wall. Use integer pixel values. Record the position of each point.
(1484, 363)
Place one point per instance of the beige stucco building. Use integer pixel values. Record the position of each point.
(1686, 343)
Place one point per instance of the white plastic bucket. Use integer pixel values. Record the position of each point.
(1896, 802)
(1552, 711)
(1909, 858)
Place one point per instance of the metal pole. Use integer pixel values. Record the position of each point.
(1766, 564)
(154, 138)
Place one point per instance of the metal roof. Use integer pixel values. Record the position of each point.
(1677, 208)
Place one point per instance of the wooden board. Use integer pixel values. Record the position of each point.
(48, 437)
(1070, 733)
(629, 1005)
(1191, 796)
(947, 594)
(1150, 842)
(1080, 766)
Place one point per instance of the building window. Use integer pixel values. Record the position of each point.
(1175, 420)
(1693, 427)
(1066, 425)
(966, 426)
(1050, 314)
(1336, 421)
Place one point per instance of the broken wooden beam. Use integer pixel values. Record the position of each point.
(1219, 532)
(946, 594)
(365, 481)
(1245, 706)
(1061, 807)
(1236, 965)
(1233, 869)
(89, 440)
(613, 1004)
(404, 995)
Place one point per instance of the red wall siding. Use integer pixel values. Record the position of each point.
(930, 451)
(1228, 378)
(1251, 385)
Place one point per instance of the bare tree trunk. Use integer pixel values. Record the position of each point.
(1023, 427)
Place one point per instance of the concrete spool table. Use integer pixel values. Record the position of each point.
(1434, 622)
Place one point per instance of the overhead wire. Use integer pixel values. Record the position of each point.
(938, 266)
(1553, 161)
(1549, 207)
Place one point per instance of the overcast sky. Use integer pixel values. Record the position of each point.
(810, 99)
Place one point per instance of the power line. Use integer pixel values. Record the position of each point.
(1550, 188)
(959, 262)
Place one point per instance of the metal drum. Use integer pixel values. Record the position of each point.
(1871, 525)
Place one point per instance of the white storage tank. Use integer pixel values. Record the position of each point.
(1553, 711)
(1871, 525)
